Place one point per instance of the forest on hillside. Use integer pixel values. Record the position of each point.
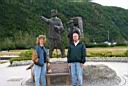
(20, 21)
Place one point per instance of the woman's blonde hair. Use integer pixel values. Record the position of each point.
(40, 37)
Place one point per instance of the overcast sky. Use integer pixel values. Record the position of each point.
(118, 3)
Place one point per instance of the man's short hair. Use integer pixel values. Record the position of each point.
(77, 32)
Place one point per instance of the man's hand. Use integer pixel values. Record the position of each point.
(69, 65)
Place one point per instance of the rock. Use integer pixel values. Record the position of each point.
(99, 72)
(29, 82)
(100, 75)
(20, 63)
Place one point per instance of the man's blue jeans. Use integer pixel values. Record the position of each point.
(77, 74)
(40, 75)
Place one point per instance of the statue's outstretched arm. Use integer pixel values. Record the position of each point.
(45, 19)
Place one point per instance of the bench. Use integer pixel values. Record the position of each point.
(58, 69)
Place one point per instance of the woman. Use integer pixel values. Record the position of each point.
(39, 58)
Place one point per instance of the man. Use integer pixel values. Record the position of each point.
(55, 30)
(76, 58)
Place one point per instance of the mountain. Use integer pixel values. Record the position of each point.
(20, 21)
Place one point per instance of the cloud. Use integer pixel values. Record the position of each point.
(117, 3)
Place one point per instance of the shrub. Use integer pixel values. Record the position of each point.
(126, 53)
(101, 54)
(90, 45)
(56, 55)
(26, 55)
(7, 44)
(107, 54)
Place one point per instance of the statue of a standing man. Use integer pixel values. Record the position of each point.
(75, 25)
(55, 30)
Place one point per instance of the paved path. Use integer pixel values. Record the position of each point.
(13, 76)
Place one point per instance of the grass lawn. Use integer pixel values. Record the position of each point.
(117, 51)
(114, 50)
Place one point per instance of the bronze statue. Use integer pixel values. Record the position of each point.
(75, 25)
(55, 31)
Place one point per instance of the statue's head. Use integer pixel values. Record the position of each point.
(75, 21)
(54, 12)
(71, 23)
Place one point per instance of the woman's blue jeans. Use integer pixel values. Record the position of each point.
(40, 75)
(76, 74)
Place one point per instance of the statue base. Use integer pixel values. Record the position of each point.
(94, 75)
